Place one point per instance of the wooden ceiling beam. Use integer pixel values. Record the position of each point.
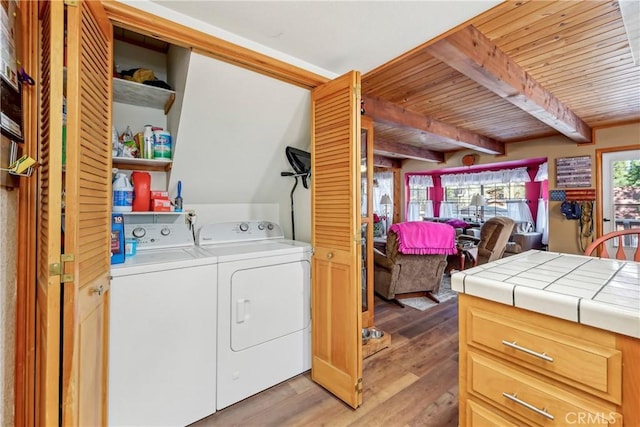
(391, 149)
(387, 112)
(471, 53)
(387, 162)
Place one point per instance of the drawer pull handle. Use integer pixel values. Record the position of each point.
(514, 345)
(514, 397)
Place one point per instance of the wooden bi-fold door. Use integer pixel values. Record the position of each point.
(75, 43)
(336, 237)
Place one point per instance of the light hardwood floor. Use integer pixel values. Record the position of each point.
(412, 383)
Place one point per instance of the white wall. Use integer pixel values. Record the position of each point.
(230, 145)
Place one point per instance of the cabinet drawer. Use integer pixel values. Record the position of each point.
(518, 393)
(577, 362)
(480, 416)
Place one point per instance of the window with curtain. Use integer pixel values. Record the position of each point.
(419, 205)
(503, 194)
(383, 186)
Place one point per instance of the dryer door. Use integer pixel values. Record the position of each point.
(268, 302)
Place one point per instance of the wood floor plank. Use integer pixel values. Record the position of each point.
(414, 382)
(404, 406)
(443, 412)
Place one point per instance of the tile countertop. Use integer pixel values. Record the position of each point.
(599, 292)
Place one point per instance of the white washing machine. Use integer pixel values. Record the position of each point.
(162, 327)
(264, 306)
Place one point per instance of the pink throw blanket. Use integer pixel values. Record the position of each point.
(425, 238)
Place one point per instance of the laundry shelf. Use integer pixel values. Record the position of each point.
(144, 164)
(152, 213)
(134, 93)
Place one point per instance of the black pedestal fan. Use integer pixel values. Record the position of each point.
(300, 161)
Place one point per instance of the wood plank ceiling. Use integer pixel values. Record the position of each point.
(522, 70)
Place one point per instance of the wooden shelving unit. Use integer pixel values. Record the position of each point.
(130, 92)
(129, 163)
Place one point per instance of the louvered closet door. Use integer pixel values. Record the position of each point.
(87, 219)
(50, 42)
(336, 281)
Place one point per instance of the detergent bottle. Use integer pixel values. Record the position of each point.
(141, 191)
(122, 193)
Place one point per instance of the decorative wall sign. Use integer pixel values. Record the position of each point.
(573, 172)
(587, 194)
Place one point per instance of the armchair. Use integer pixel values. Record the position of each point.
(398, 275)
(494, 235)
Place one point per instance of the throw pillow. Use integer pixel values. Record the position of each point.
(457, 223)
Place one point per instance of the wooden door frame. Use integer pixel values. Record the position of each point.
(142, 22)
(24, 371)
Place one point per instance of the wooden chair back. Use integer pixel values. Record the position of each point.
(619, 235)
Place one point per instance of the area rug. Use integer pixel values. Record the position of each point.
(424, 303)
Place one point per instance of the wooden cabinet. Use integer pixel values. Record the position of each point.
(524, 368)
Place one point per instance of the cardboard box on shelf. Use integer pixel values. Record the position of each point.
(156, 194)
(161, 205)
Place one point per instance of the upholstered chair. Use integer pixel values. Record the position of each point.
(494, 236)
(397, 274)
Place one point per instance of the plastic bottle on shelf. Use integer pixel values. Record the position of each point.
(141, 191)
(161, 144)
(147, 151)
(122, 194)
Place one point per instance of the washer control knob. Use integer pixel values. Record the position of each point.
(261, 226)
(244, 226)
(139, 232)
(270, 226)
(165, 231)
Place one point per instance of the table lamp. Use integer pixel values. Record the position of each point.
(386, 201)
(478, 201)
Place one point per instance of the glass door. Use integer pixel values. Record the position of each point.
(621, 195)
(366, 182)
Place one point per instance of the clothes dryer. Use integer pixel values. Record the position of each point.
(264, 303)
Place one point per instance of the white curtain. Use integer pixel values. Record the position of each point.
(542, 221)
(543, 172)
(419, 183)
(420, 180)
(413, 210)
(448, 209)
(488, 177)
(428, 209)
(518, 210)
